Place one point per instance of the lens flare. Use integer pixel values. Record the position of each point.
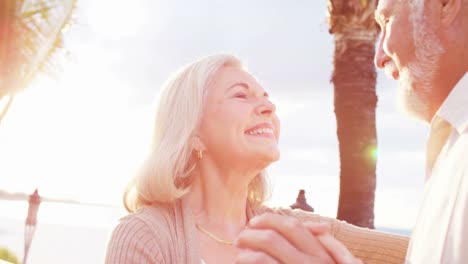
(373, 152)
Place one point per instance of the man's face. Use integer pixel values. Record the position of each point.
(408, 51)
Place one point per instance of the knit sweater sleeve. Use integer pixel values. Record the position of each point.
(133, 242)
(369, 245)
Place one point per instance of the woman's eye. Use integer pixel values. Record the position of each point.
(240, 95)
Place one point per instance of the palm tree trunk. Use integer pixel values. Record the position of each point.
(354, 80)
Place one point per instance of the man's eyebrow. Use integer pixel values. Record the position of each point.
(377, 16)
(380, 14)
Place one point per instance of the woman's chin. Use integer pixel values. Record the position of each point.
(276, 157)
(270, 157)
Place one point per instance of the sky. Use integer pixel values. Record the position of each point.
(81, 135)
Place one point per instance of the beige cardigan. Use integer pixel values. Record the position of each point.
(166, 234)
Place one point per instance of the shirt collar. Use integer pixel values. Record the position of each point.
(455, 107)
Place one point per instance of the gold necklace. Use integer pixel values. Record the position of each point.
(214, 237)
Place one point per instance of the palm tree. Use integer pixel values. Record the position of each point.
(354, 79)
(7, 255)
(31, 34)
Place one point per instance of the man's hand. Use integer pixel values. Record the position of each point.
(272, 238)
(337, 250)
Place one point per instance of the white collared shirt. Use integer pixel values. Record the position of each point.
(441, 231)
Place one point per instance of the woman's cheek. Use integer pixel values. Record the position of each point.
(277, 124)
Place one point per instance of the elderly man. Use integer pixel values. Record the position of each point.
(424, 45)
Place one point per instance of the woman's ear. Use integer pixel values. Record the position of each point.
(450, 10)
(197, 144)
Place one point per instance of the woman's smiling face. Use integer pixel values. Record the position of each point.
(239, 122)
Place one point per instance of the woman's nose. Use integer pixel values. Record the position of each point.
(266, 107)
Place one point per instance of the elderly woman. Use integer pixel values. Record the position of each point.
(199, 196)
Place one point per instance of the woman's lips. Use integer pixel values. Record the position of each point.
(266, 135)
(262, 130)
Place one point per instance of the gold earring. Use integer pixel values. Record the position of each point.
(200, 154)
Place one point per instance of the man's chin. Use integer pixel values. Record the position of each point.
(412, 104)
(413, 96)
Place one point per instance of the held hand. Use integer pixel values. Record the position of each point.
(334, 247)
(273, 238)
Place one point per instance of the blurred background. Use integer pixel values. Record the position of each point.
(80, 135)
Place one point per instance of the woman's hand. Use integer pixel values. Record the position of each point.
(273, 238)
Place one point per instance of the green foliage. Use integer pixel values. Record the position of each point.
(7, 255)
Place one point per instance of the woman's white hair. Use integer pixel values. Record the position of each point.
(165, 175)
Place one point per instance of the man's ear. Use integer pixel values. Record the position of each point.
(450, 10)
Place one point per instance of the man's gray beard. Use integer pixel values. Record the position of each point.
(416, 80)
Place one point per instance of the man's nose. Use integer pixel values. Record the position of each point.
(381, 58)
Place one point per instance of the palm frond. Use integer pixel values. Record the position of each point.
(47, 21)
(349, 15)
(31, 34)
(4, 109)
